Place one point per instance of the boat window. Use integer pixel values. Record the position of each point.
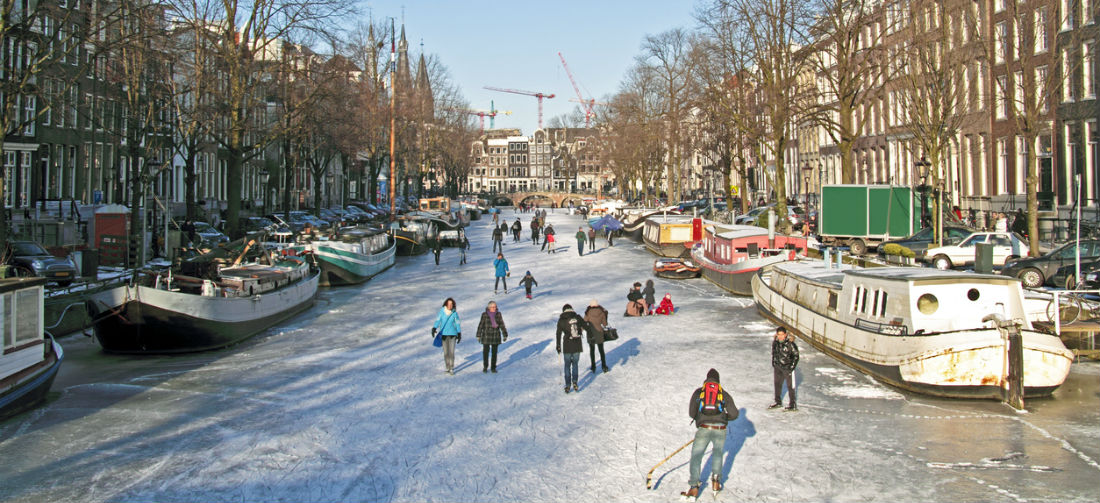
(6, 320)
(863, 301)
(882, 305)
(26, 323)
(833, 300)
(973, 294)
(874, 307)
(855, 299)
(928, 303)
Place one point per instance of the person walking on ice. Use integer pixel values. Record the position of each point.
(502, 272)
(528, 281)
(591, 240)
(711, 408)
(490, 333)
(498, 238)
(447, 324)
(568, 339)
(784, 361)
(581, 237)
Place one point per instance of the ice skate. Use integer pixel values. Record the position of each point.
(691, 494)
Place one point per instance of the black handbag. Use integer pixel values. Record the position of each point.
(610, 334)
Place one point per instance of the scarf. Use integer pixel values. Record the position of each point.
(492, 318)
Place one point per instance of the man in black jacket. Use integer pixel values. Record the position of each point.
(784, 360)
(570, 338)
(711, 408)
(498, 238)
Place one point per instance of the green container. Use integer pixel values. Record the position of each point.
(869, 211)
(983, 258)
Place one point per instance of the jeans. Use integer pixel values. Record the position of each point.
(498, 244)
(499, 280)
(580, 248)
(703, 437)
(571, 372)
(592, 353)
(782, 376)
(486, 350)
(449, 342)
(592, 244)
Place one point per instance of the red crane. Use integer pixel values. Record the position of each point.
(585, 104)
(482, 114)
(540, 96)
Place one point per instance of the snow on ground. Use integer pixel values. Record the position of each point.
(348, 402)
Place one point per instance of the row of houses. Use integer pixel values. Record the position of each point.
(551, 159)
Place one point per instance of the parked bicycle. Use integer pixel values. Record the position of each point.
(1069, 307)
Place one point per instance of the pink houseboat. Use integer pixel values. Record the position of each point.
(729, 255)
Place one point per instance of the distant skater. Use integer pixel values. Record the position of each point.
(550, 239)
(498, 238)
(517, 227)
(581, 237)
(596, 316)
(500, 266)
(591, 240)
(528, 281)
(437, 249)
(463, 245)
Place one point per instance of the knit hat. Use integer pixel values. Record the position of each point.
(594, 303)
(566, 307)
(712, 375)
(528, 273)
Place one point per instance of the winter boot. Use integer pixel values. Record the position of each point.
(567, 389)
(528, 296)
(575, 388)
(691, 494)
(606, 369)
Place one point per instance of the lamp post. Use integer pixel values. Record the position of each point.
(264, 177)
(923, 189)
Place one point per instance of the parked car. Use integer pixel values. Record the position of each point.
(1066, 275)
(922, 239)
(750, 217)
(209, 237)
(1034, 271)
(31, 259)
(304, 217)
(1006, 246)
(256, 224)
(357, 214)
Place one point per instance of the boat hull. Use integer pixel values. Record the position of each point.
(670, 250)
(342, 267)
(735, 278)
(960, 364)
(31, 389)
(145, 320)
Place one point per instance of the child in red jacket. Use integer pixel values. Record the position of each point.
(666, 305)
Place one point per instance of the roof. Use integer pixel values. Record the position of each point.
(919, 274)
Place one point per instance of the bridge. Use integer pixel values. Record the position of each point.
(558, 198)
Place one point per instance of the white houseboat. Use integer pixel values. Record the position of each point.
(30, 358)
(918, 329)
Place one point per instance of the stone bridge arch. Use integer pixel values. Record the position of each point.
(559, 198)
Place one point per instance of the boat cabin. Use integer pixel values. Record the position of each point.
(22, 328)
(731, 244)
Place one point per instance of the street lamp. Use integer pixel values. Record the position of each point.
(923, 189)
(264, 177)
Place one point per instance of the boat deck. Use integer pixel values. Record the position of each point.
(250, 271)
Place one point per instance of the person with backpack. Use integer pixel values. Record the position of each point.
(596, 316)
(535, 230)
(490, 333)
(528, 281)
(516, 228)
(581, 237)
(502, 272)
(498, 238)
(447, 324)
(711, 408)
(784, 361)
(568, 339)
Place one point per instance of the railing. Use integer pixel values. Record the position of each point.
(1069, 308)
(882, 328)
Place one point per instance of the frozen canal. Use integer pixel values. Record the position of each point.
(349, 403)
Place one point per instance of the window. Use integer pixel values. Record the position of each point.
(1018, 95)
(1067, 77)
(1000, 42)
(882, 305)
(1067, 14)
(1041, 87)
(999, 5)
(1001, 98)
(1088, 74)
(1041, 42)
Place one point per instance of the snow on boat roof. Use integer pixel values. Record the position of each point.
(732, 232)
(815, 270)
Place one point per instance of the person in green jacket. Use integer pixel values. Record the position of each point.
(581, 237)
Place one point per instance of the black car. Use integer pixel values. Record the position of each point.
(1066, 275)
(1034, 271)
(31, 259)
(920, 240)
(256, 224)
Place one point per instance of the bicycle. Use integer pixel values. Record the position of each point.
(1070, 307)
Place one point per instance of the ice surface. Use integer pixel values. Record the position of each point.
(348, 402)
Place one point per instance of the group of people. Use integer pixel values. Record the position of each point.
(567, 338)
(641, 302)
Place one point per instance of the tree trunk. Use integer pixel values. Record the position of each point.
(189, 192)
(233, 194)
(1033, 201)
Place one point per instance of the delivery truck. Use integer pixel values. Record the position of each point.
(862, 216)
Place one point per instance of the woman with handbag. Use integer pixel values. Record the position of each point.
(490, 333)
(447, 331)
(596, 316)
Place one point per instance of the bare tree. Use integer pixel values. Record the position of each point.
(932, 91)
(632, 130)
(666, 57)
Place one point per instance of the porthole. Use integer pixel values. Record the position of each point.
(973, 294)
(928, 303)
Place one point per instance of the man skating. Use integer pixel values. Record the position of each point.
(784, 361)
(712, 409)
(569, 339)
(581, 237)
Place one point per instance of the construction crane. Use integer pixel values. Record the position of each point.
(482, 114)
(538, 95)
(586, 105)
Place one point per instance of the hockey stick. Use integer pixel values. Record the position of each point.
(649, 476)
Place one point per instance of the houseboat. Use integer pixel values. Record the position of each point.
(672, 235)
(30, 357)
(918, 329)
(171, 313)
(729, 255)
(414, 234)
(352, 256)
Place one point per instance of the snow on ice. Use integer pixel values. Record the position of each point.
(349, 402)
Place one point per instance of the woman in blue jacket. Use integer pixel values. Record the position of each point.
(502, 272)
(446, 323)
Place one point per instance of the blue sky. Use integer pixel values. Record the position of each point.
(515, 45)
